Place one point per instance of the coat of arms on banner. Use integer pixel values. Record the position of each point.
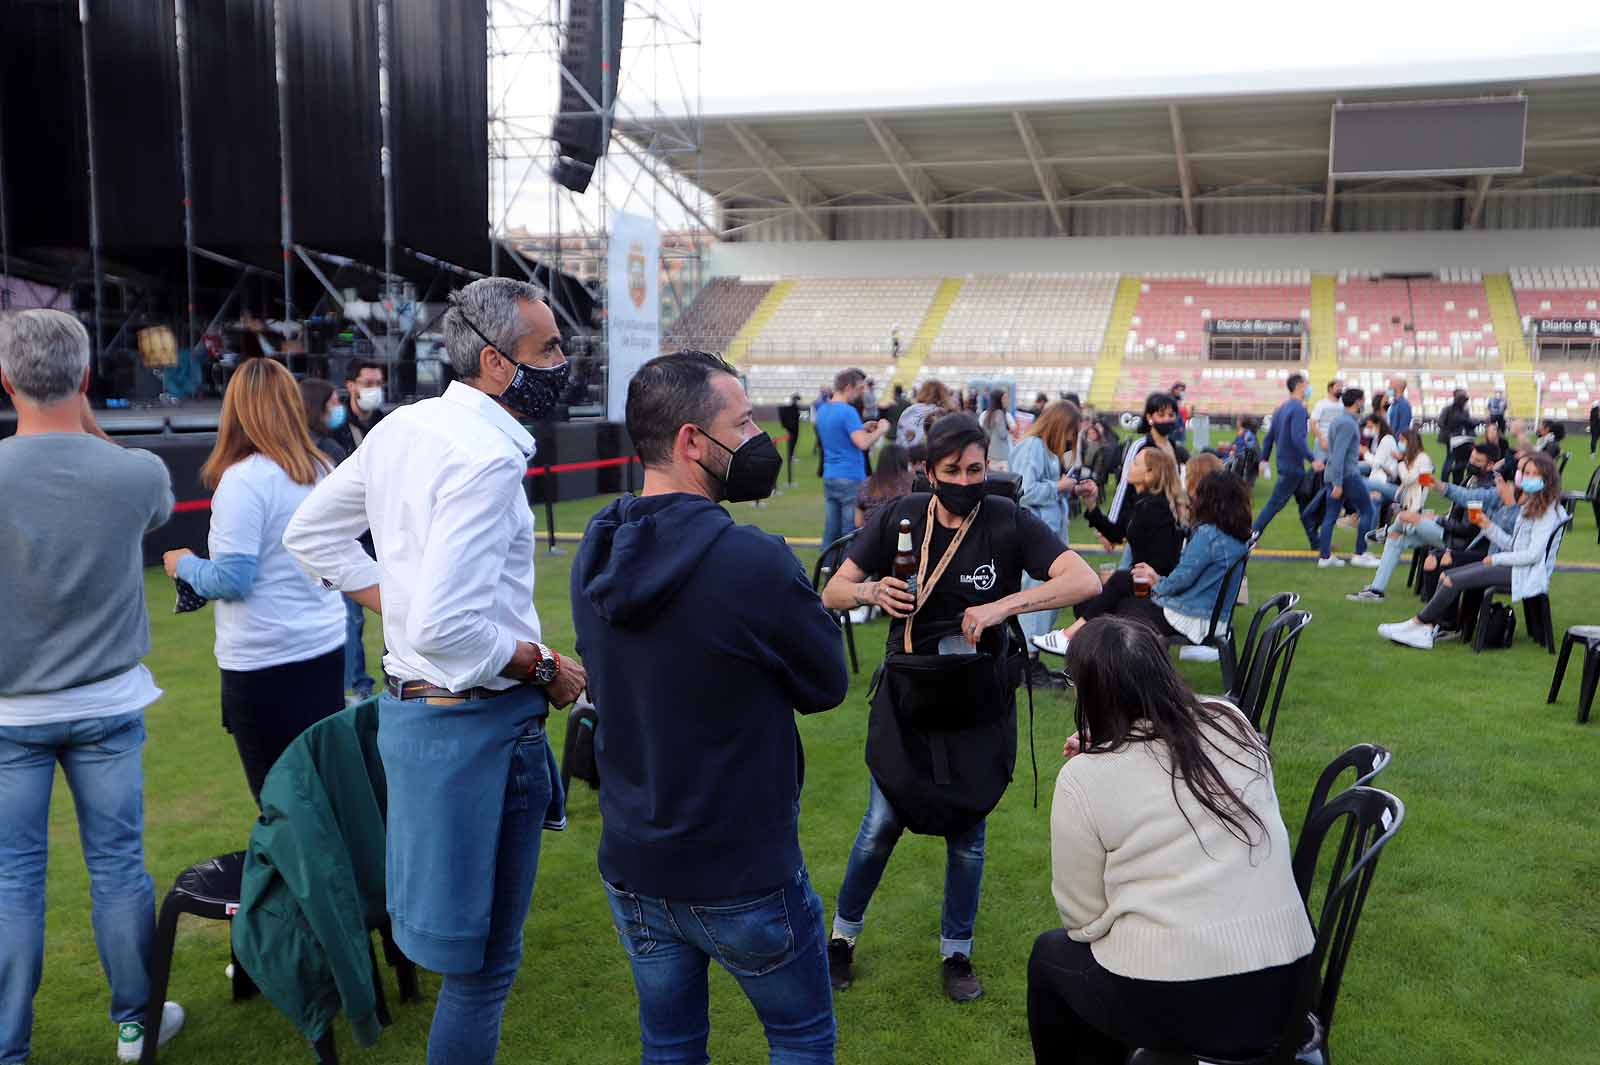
(636, 280)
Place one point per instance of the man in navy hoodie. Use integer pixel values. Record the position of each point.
(702, 638)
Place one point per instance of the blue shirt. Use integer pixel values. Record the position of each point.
(1344, 438)
(841, 459)
(1400, 415)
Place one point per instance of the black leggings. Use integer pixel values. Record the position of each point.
(1080, 1013)
(1144, 610)
(265, 709)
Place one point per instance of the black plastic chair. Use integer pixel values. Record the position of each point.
(211, 889)
(1561, 466)
(1535, 609)
(1590, 495)
(1279, 603)
(1589, 636)
(1367, 759)
(1269, 671)
(1217, 635)
(827, 562)
(1367, 819)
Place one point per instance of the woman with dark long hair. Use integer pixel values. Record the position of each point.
(1182, 929)
(325, 415)
(280, 635)
(891, 478)
(998, 423)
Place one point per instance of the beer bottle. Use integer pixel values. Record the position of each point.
(905, 559)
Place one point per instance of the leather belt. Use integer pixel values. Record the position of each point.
(410, 690)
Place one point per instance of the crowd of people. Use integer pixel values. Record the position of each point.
(1181, 927)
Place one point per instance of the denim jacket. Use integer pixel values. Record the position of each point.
(1192, 588)
(1040, 471)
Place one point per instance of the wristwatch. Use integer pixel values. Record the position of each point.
(545, 670)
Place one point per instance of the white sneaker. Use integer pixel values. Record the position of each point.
(1198, 654)
(1055, 642)
(1331, 562)
(130, 1034)
(860, 615)
(1368, 594)
(1365, 560)
(1416, 635)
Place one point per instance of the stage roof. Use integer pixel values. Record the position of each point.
(1199, 138)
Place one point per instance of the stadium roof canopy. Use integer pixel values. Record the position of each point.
(1172, 151)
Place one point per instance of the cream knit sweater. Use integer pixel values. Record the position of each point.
(1156, 903)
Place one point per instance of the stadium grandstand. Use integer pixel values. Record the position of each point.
(1112, 244)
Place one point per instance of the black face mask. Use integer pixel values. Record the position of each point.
(1483, 478)
(959, 499)
(1163, 429)
(752, 469)
(535, 391)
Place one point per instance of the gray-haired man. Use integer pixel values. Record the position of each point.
(471, 778)
(72, 689)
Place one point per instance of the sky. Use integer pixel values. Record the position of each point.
(774, 55)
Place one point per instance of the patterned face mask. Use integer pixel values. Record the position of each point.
(534, 391)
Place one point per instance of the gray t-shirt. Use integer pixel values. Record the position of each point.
(73, 513)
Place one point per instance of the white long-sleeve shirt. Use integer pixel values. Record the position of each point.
(440, 485)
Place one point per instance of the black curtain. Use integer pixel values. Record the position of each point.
(439, 98)
(233, 112)
(41, 97)
(334, 131)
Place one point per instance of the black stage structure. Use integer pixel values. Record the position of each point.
(181, 162)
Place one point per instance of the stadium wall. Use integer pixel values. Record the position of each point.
(1323, 253)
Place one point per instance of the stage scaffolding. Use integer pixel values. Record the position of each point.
(534, 219)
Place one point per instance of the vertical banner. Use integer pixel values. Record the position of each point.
(633, 305)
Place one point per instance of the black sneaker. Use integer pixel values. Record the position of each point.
(1366, 595)
(1446, 635)
(960, 982)
(841, 970)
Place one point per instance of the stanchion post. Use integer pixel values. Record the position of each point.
(550, 526)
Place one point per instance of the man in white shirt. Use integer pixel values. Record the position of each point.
(470, 776)
(72, 689)
(1323, 414)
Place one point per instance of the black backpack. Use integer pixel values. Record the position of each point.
(1499, 626)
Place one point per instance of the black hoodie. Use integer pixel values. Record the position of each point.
(701, 638)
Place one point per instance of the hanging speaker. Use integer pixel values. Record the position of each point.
(587, 57)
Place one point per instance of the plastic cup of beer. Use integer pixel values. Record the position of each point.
(1106, 570)
(1426, 480)
(1141, 585)
(1475, 511)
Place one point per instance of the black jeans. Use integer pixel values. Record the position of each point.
(1080, 1013)
(265, 709)
(1147, 611)
(1462, 578)
(1118, 586)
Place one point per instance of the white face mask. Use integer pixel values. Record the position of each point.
(370, 398)
(1399, 447)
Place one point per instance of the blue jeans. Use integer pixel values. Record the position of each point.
(1282, 495)
(1354, 492)
(355, 652)
(466, 1019)
(1426, 533)
(839, 501)
(963, 875)
(101, 758)
(1388, 492)
(771, 942)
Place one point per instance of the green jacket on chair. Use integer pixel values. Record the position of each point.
(313, 885)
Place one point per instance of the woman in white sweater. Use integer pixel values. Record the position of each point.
(1182, 928)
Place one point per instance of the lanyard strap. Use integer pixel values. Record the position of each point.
(926, 583)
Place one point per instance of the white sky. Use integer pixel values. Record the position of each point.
(774, 55)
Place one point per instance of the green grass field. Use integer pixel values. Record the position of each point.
(1480, 942)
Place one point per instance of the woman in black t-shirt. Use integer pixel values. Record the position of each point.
(979, 590)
